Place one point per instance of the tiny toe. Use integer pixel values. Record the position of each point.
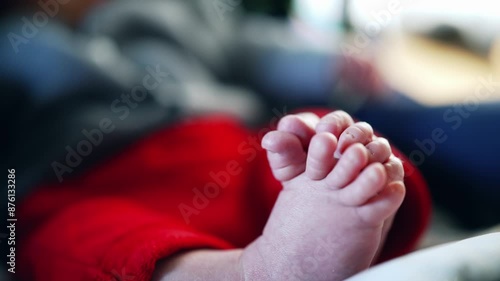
(384, 205)
(311, 119)
(285, 154)
(335, 123)
(379, 150)
(320, 160)
(348, 166)
(360, 132)
(302, 125)
(394, 169)
(370, 182)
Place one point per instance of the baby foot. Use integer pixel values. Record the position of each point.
(331, 216)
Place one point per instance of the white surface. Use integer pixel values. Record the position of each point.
(471, 259)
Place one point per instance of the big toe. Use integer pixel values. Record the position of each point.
(285, 153)
(301, 125)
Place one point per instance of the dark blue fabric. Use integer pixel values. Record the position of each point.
(462, 169)
(295, 77)
(47, 64)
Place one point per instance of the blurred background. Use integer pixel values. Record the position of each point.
(407, 67)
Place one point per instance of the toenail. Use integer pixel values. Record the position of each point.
(350, 135)
(370, 150)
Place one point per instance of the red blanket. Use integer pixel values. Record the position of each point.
(203, 183)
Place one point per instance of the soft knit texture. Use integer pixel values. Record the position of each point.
(203, 183)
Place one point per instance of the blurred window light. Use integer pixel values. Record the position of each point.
(476, 21)
(325, 15)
